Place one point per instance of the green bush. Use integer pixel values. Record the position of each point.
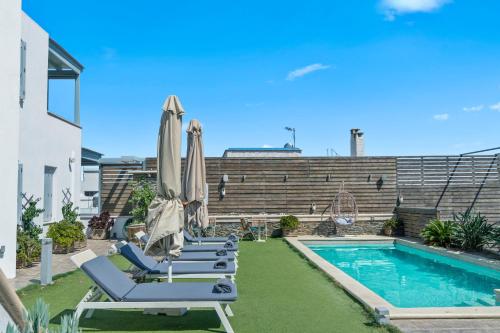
(28, 249)
(65, 233)
(141, 197)
(289, 222)
(438, 233)
(392, 223)
(69, 213)
(29, 214)
(473, 232)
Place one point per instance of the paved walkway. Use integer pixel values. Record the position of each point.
(448, 325)
(61, 263)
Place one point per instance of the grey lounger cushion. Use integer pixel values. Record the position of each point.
(113, 281)
(204, 256)
(130, 250)
(205, 267)
(187, 291)
(117, 285)
(209, 247)
(151, 266)
(190, 238)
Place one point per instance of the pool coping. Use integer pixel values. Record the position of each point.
(373, 301)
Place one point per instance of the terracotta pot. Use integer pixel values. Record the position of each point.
(388, 231)
(132, 229)
(98, 234)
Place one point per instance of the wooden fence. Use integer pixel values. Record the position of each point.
(451, 184)
(290, 185)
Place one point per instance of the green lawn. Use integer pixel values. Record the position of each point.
(278, 292)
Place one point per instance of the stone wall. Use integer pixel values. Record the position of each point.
(415, 219)
(309, 225)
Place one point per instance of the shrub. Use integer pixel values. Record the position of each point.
(289, 222)
(392, 223)
(141, 197)
(29, 214)
(103, 221)
(65, 234)
(28, 249)
(473, 231)
(69, 213)
(439, 233)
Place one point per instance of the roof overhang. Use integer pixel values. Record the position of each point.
(62, 65)
(90, 157)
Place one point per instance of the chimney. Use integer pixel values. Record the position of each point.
(357, 143)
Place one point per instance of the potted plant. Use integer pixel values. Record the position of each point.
(141, 197)
(100, 226)
(289, 224)
(64, 235)
(390, 226)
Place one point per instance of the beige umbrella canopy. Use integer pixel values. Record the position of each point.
(165, 215)
(194, 180)
(11, 302)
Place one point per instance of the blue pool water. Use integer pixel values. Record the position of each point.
(409, 278)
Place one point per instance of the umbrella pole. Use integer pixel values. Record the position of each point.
(169, 268)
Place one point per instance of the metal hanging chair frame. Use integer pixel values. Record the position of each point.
(344, 209)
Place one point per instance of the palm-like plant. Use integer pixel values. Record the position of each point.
(36, 320)
(473, 231)
(438, 233)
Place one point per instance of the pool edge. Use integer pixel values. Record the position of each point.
(371, 300)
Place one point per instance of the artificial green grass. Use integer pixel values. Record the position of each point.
(278, 292)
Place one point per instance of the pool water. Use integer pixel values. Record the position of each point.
(409, 278)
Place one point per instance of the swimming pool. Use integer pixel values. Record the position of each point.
(409, 277)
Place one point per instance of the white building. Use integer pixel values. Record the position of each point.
(40, 151)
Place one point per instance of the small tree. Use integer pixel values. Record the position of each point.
(141, 197)
(69, 213)
(30, 213)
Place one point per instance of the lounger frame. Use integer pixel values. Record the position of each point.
(95, 299)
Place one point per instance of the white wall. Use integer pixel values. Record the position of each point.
(45, 140)
(10, 37)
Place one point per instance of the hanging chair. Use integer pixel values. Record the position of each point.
(344, 210)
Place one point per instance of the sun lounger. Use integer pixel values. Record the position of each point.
(150, 268)
(123, 293)
(228, 245)
(191, 239)
(190, 256)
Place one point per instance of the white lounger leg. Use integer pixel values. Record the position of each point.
(223, 318)
(229, 312)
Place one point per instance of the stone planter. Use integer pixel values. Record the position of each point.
(58, 249)
(80, 244)
(132, 229)
(287, 232)
(98, 234)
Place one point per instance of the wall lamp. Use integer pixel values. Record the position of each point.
(285, 178)
(329, 177)
(222, 186)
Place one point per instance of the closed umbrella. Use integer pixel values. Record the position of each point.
(165, 214)
(194, 179)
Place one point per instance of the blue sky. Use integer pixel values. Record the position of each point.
(417, 76)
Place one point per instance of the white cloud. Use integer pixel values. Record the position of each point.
(299, 72)
(475, 108)
(108, 53)
(495, 107)
(266, 146)
(441, 117)
(392, 8)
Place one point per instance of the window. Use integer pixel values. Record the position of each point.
(48, 187)
(22, 82)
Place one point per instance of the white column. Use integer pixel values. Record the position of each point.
(77, 101)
